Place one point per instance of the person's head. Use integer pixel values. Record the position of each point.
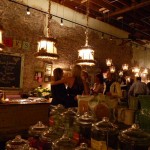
(138, 78)
(76, 71)
(58, 74)
(99, 78)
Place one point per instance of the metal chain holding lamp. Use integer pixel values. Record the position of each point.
(86, 53)
(46, 46)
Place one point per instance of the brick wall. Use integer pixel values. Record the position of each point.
(18, 25)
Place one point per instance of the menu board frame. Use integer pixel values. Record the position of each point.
(5, 62)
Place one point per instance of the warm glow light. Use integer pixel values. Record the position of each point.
(128, 78)
(47, 49)
(136, 74)
(136, 70)
(1, 41)
(145, 71)
(86, 56)
(121, 73)
(108, 62)
(125, 67)
(112, 69)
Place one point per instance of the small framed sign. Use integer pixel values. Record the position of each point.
(48, 69)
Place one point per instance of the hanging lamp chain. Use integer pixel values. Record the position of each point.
(49, 19)
(87, 25)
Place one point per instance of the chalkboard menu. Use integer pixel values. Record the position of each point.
(10, 70)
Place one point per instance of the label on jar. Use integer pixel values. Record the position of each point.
(98, 145)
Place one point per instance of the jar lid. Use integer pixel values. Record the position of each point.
(69, 112)
(17, 144)
(105, 126)
(86, 118)
(64, 143)
(135, 136)
(37, 129)
(83, 146)
(50, 135)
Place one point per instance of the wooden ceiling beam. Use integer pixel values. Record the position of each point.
(124, 2)
(130, 8)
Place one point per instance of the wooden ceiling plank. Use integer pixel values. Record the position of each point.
(124, 2)
(130, 8)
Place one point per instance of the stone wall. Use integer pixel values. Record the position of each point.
(20, 26)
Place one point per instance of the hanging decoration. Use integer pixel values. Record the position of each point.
(112, 69)
(108, 62)
(86, 53)
(125, 67)
(46, 46)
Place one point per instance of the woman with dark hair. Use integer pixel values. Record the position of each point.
(59, 92)
(99, 84)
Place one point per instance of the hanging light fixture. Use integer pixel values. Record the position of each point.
(46, 46)
(108, 62)
(136, 69)
(112, 69)
(120, 73)
(86, 53)
(1, 41)
(125, 67)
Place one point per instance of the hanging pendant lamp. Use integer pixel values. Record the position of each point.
(1, 41)
(46, 46)
(86, 53)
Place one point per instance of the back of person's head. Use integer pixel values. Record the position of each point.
(100, 77)
(138, 78)
(58, 74)
(76, 71)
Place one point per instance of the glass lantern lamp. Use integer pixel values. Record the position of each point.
(46, 46)
(108, 62)
(125, 67)
(112, 69)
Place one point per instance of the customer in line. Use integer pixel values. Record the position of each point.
(59, 92)
(138, 88)
(75, 86)
(98, 85)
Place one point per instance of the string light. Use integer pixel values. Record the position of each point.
(61, 22)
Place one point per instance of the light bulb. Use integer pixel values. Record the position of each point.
(61, 23)
(28, 11)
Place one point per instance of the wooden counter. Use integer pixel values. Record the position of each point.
(16, 118)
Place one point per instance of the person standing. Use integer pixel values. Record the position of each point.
(59, 92)
(138, 88)
(75, 86)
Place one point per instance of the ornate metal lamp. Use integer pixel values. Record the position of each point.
(86, 53)
(46, 46)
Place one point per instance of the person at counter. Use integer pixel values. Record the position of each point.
(75, 86)
(59, 92)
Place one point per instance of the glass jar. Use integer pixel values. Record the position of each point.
(64, 143)
(83, 146)
(134, 139)
(104, 135)
(85, 123)
(17, 144)
(49, 136)
(55, 118)
(68, 117)
(35, 132)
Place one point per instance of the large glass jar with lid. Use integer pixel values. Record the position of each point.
(49, 136)
(35, 132)
(55, 118)
(85, 122)
(63, 143)
(134, 138)
(18, 144)
(104, 135)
